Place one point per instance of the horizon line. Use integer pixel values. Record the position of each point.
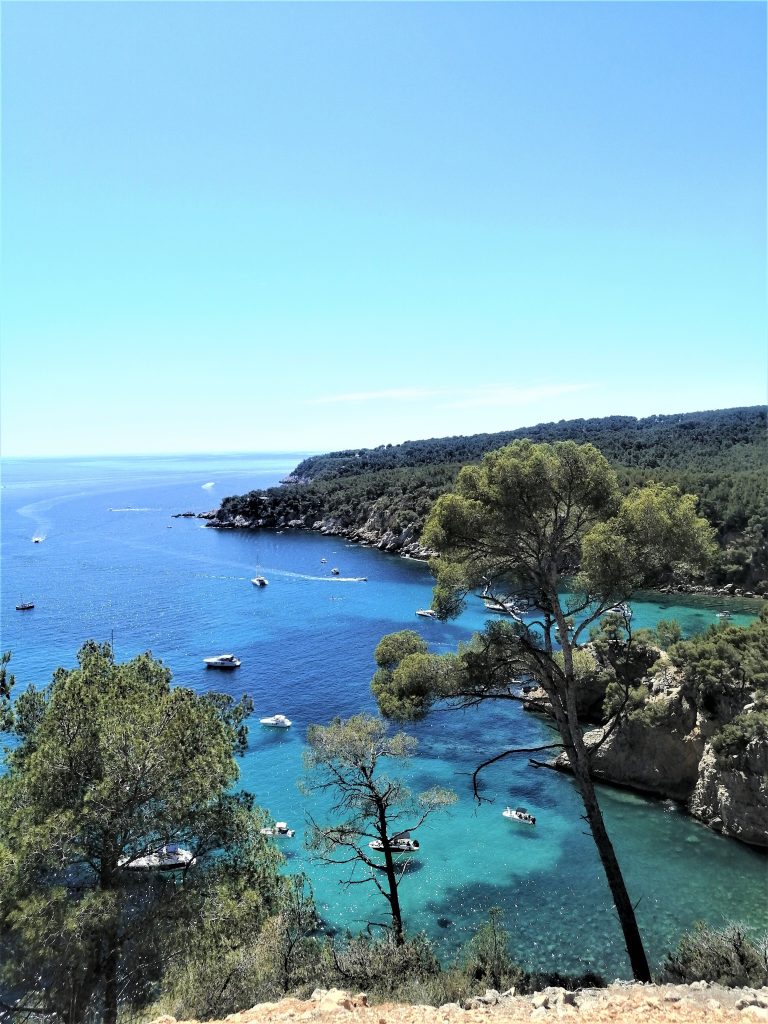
(324, 451)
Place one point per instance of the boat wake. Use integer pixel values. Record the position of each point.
(317, 579)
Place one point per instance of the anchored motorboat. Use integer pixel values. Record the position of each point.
(170, 857)
(426, 613)
(276, 721)
(519, 814)
(621, 609)
(501, 607)
(222, 661)
(279, 830)
(401, 842)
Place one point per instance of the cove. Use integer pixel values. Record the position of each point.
(114, 565)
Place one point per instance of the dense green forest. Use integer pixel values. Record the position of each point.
(721, 456)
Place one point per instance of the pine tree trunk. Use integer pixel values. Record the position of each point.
(110, 979)
(626, 912)
(394, 898)
(389, 865)
(563, 700)
(111, 940)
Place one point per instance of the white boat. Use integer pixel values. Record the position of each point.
(401, 842)
(278, 830)
(170, 857)
(259, 581)
(501, 607)
(37, 540)
(519, 814)
(334, 572)
(24, 606)
(621, 609)
(323, 561)
(222, 661)
(426, 613)
(719, 615)
(276, 721)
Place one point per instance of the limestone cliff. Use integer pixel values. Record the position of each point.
(658, 754)
(664, 747)
(731, 794)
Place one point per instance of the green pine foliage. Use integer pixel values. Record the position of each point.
(110, 763)
(725, 670)
(720, 456)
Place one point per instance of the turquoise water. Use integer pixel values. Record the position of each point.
(113, 564)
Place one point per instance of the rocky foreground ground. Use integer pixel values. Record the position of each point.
(634, 1004)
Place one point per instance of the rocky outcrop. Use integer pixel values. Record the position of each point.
(663, 748)
(731, 796)
(657, 752)
(373, 533)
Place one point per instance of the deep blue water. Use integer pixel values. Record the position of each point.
(113, 565)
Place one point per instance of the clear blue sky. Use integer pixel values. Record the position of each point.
(252, 226)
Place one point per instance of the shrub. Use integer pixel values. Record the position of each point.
(381, 967)
(487, 958)
(735, 737)
(728, 957)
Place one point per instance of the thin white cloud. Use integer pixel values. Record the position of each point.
(458, 398)
(390, 394)
(510, 395)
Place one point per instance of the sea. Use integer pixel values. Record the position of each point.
(111, 563)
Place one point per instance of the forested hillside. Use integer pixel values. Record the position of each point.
(386, 492)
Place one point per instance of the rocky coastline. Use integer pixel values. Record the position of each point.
(374, 533)
(378, 532)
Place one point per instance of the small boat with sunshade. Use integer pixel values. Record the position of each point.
(279, 830)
